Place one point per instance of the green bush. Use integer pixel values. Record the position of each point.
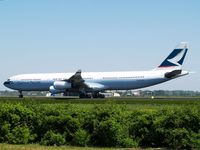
(195, 140)
(17, 114)
(81, 138)
(177, 128)
(128, 143)
(110, 125)
(111, 133)
(142, 129)
(51, 138)
(71, 126)
(20, 135)
(4, 132)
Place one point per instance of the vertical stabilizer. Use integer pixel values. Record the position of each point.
(176, 58)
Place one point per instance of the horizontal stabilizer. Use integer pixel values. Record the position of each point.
(173, 73)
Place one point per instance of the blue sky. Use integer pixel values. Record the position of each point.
(103, 35)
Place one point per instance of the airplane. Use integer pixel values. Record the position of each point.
(92, 84)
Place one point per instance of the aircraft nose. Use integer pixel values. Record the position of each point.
(6, 83)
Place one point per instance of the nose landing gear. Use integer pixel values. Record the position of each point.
(20, 94)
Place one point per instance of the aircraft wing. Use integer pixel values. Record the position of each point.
(76, 78)
(79, 83)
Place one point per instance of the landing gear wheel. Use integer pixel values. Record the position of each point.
(83, 95)
(98, 95)
(101, 96)
(20, 94)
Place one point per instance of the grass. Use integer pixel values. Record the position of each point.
(131, 103)
(39, 147)
(130, 100)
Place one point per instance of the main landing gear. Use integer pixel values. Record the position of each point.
(91, 95)
(20, 94)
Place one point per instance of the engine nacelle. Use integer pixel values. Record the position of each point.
(52, 90)
(62, 85)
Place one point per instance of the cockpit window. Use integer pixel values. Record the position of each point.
(8, 82)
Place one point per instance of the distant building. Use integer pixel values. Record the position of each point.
(136, 93)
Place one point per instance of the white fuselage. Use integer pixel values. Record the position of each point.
(108, 80)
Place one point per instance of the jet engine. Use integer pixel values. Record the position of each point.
(62, 85)
(52, 90)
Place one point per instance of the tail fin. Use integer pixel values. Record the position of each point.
(176, 58)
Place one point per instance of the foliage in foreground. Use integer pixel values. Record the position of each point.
(109, 125)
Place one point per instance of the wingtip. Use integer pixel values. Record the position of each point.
(79, 71)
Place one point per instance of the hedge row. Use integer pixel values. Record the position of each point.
(108, 125)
